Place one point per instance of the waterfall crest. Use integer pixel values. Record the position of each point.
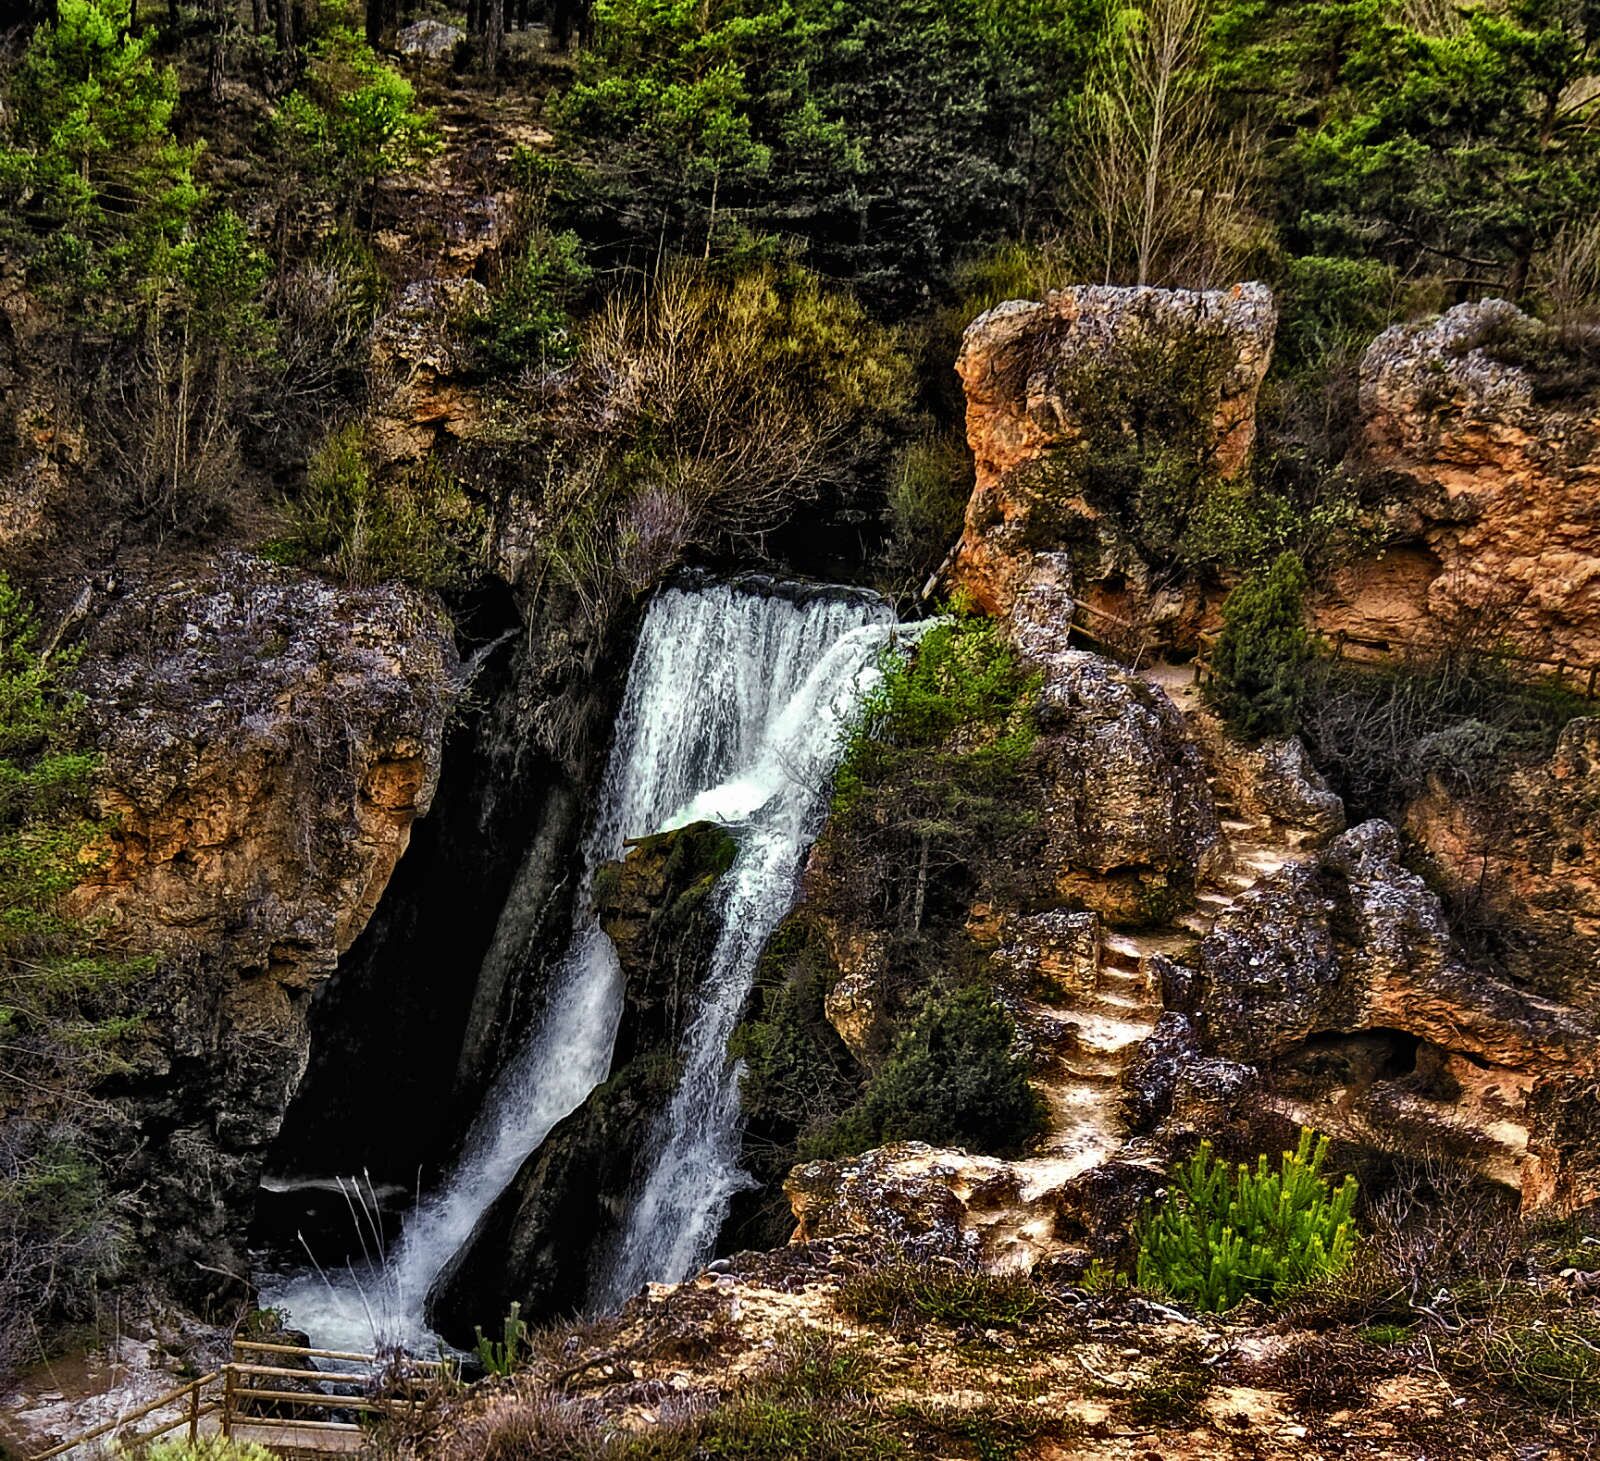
(732, 712)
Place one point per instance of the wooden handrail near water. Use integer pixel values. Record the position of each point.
(227, 1400)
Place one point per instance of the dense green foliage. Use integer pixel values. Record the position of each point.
(952, 1078)
(1223, 1235)
(354, 117)
(368, 527)
(61, 1027)
(89, 162)
(1262, 650)
(936, 743)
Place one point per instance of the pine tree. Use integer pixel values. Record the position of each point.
(1222, 1236)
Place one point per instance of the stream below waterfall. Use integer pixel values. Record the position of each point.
(732, 712)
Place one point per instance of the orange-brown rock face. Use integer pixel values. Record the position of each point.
(1497, 472)
(1019, 364)
(268, 740)
(1526, 856)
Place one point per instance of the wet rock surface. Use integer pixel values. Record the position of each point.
(540, 1242)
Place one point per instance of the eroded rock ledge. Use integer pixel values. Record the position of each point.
(269, 738)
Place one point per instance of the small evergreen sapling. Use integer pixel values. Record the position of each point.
(1224, 1235)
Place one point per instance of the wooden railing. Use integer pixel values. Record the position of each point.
(252, 1397)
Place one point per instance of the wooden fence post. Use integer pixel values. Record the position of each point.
(227, 1400)
(194, 1411)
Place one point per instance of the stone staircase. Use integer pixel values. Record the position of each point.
(1093, 1034)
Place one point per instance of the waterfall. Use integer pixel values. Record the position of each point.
(732, 712)
(774, 806)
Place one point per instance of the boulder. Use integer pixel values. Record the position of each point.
(925, 1202)
(1125, 812)
(1490, 443)
(429, 40)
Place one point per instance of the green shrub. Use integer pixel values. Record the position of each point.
(419, 527)
(1222, 1235)
(1551, 1359)
(205, 1448)
(501, 1356)
(526, 325)
(927, 790)
(952, 1079)
(354, 119)
(928, 490)
(62, 1021)
(1261, 652)
(896, 1291)
(797, 1074)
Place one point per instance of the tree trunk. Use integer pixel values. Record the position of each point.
(377, 22)
(218, 68)
(283, 28)
(494, 33)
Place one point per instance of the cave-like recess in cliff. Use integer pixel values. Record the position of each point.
(388, 1027)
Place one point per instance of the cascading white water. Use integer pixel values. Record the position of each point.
(774, 806)
(732, 712)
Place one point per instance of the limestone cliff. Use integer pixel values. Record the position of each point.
(1340, 975)
(1023, 366)
(269, 739)
(1492, 456)
(1522, 862)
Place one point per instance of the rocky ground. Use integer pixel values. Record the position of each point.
(830, 1349)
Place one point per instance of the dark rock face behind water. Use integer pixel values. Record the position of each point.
(269, 739)
(538, 1242)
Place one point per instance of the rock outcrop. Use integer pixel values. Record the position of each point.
(1527, 855)
(1021, 365)
(268, 741)
(541, 1241)
(1490, 444)
(1125, 814)
(936, 1203)
(1339, 975)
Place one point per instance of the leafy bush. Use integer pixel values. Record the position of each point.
(952, 1079)
(419, 527)
(354, 118)
(96, 185)
(1222, 1235)
(929, 767)
(526, 325)
(1145, 449)
(894, 1292)
(928, 491)
(1262, 650)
